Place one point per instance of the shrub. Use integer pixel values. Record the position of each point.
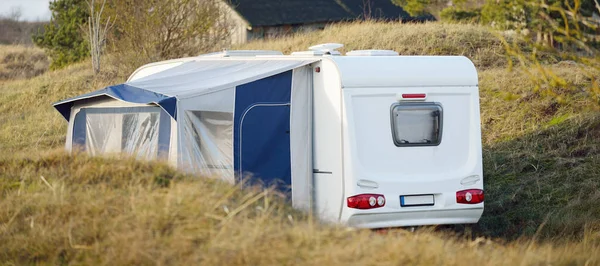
(455, 14)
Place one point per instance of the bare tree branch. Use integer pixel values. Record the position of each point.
(97, 33)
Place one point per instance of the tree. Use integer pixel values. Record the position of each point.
(97, 33)
(455, 14)
(62, 38)
(545, 18)
(423, 7)
(163, 29)
(15, 13)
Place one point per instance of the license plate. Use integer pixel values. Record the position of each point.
(416, 200)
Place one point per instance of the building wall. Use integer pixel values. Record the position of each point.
(238, 26)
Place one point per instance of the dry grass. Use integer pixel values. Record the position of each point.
(84, 212)
(511, 106)
(545, 182)
(475, 42)
(21, 62)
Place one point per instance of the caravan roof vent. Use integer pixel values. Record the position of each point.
(232, 53)
(321, 49)
(372, 53)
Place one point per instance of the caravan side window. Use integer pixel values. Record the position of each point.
(416, 124)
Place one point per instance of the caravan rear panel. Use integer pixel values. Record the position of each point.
(410, 141)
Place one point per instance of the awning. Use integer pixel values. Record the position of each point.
(190, 79)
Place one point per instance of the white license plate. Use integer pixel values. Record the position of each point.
(416, 200)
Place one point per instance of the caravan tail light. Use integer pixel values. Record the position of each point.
(469, 196)
(366, 201)
(411, 96)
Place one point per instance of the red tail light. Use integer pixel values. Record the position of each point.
(469, 196)
(366, 201)
(414, 96)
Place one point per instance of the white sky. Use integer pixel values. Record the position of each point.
(31, 10)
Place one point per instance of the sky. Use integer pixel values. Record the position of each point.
(31, 10)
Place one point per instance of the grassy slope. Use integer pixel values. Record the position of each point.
(120, 212)
(539, 156)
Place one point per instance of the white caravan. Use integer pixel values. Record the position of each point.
(370, 139)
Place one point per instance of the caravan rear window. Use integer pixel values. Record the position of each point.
(416, 124)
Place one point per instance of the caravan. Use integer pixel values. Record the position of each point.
(370, 139)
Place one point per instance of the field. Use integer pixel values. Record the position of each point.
(541, 168)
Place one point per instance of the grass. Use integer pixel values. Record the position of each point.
(62, 209)
(21, 62)
(545, 182)
(475, 42)
(541, 168)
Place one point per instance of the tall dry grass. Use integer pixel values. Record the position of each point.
(61, 209)
(21, 62)
(475, 42)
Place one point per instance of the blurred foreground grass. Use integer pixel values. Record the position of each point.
(62, 209)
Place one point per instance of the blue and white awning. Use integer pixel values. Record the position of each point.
(188, 80)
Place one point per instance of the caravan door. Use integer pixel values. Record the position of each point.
(264, 148)
(261, 130)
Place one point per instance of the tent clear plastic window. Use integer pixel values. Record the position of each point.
(207, 140)
(417, 124)
(132, 131)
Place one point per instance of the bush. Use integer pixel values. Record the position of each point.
(455, 14)
(172, 29)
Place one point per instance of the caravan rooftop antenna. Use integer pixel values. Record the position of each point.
(326, 47)
(321, 49)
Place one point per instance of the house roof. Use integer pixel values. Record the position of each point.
(285, 12)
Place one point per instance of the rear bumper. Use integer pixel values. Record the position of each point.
(415, 218)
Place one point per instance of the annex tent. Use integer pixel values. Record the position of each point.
(223, 117)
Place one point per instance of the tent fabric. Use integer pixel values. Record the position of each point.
(205, 134)
(262, 128)
(122, 92)
(188, 80)
(204, 76)
(206, 143)
(227, 118)
(301, 137)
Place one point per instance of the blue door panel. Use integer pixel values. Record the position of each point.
(261, 129)
(265, 144)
